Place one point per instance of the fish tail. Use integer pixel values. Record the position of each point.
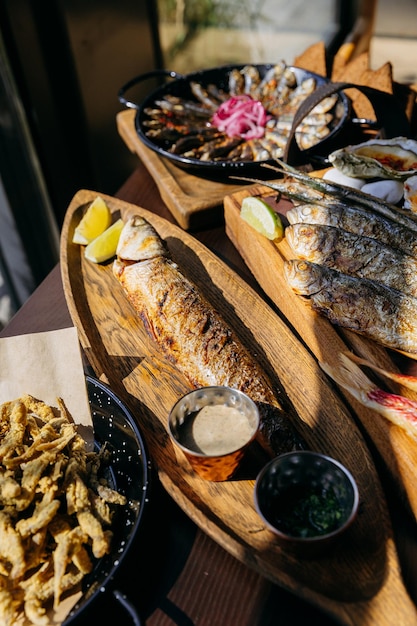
(350, 377)
(397, 409)
(403, 379)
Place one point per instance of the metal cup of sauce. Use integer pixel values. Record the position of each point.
(213, 427)
(307, 499)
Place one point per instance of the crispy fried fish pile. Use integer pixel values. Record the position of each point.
(55, 510)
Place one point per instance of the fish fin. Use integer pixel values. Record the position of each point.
(406, 381)
(350, 377)
(398, 410)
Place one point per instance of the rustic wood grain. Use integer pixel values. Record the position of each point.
(359, 582)
(266, 260)
(194, 201)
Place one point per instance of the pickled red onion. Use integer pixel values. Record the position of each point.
(241, 116)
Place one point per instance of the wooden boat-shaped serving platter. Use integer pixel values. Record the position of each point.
(359, 581)
(266, 260)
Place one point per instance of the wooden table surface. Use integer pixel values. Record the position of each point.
(176, 574)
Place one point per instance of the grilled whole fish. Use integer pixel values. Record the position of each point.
(353, 254)
(359, 221)
(190, 331)
(365, 306)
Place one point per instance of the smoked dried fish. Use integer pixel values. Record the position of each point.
(353, 254)
(367, 307)
(310, 189)
(357, 220)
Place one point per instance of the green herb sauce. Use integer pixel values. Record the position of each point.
(307, 512)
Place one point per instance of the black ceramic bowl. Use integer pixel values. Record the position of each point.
(180, 85)
(306, 499)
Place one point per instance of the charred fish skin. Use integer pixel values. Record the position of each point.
(189, 330)
(358, 221)
(193, 335)
(361, 305)
(353, 254)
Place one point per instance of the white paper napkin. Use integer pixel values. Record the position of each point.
(47, 365)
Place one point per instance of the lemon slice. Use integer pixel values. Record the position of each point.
(94, 222)
(262, 218)
(104, 247)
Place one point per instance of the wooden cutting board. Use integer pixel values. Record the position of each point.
(266, 261)
(359, 581)
(194, 201)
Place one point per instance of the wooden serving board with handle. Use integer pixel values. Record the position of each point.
(359, 581)
(266, 260)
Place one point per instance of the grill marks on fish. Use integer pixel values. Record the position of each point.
(367, 307)
(353, 254)
(192, 334)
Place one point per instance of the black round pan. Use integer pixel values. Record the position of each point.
(179, 85)
(128, 473)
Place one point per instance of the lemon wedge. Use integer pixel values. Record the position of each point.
(104, 247)
(258, 214)
(94, 222)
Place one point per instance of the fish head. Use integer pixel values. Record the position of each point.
(139, 241)
(303, 277)
(308, 241)
(303, 213)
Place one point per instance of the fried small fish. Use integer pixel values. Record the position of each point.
(357, 220)
(353, 254)
(192, 334)
(44, 486)
(380, 313)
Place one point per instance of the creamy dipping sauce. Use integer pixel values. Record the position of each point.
(215, 430)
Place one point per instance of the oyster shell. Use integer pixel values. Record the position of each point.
(394, 159)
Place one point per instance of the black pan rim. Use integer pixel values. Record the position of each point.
(228, 167)
(99, 580)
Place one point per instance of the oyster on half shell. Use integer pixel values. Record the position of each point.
(378, 158)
